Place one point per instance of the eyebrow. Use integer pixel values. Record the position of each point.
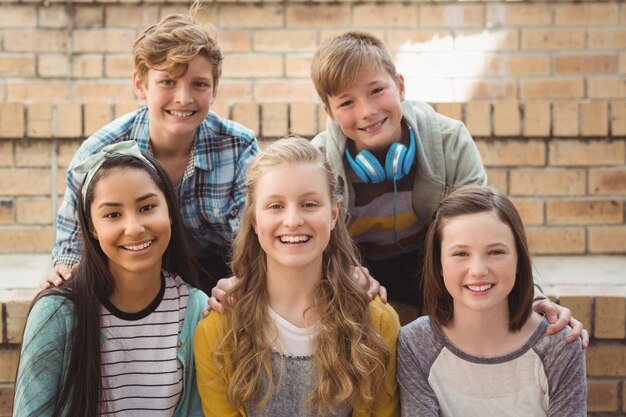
(137, 200)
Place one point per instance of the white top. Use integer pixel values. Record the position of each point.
(290, 339)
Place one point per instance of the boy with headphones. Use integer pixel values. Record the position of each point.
(396, 159)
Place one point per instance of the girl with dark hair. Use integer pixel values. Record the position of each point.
(303, 338)
(482, 351)
(118, 338)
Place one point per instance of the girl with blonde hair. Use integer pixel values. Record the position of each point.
(303, 337)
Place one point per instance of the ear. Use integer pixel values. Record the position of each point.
(214, 95)
(93, 231)
(400, 85)
(254, 224)
(139, 87)
(334, 214)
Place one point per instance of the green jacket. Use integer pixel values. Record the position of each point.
(46, 350)
(446, 158)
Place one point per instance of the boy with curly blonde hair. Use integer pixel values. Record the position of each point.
(177, 69)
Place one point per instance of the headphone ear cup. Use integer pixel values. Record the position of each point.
(394, 162)
(370, 166)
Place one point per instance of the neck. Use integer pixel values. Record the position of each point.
(167, 147)
(292, 291)
(134, 292)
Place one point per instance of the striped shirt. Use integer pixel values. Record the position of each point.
(211, 194)
(141, 375)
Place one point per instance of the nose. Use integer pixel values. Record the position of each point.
(293, 218)
(134, 226)
(183, 95)
(367, 109)
(479, 268)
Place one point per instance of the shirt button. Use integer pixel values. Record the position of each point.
(216, 210)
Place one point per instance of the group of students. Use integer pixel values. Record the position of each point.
(171, 197)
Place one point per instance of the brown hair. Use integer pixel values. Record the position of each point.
(473, 199)
(340, 62)
(174, 42)
(351, 358)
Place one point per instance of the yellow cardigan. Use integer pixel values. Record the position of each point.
(212, 386)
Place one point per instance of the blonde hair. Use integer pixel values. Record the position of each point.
(340, 62)
(174, 42)
(350, 358)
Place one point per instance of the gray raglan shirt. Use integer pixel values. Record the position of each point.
(545, 377)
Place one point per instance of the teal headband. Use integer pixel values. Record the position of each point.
(92, 164)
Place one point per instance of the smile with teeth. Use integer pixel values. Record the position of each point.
(180, 113)
(373, 126)
(294, 239)
(138, 247)
(479, 288)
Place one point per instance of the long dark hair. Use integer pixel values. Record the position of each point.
(92, 281)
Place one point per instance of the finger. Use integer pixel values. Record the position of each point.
(382, 292)
(560, 323)
(218, 294)
(205, 312)
(63, 271)
(215, 305)
(44, 284)
(585, 337)
(577, 329)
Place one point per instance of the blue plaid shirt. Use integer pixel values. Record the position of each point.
(211, 194)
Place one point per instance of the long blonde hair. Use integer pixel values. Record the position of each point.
(350, 358)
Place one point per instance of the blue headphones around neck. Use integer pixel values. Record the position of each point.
(397, 162)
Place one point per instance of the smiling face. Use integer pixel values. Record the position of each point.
(294, 215)
(130, 221)
(479, 262)
(370, 112)
(177, 106)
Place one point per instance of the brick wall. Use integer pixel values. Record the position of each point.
(603, 315)
(541, 86)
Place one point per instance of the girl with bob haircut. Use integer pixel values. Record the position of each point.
(482, 350)
(117, 338)
(303, 337)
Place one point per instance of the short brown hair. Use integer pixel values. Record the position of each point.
(473, 199)
(341, 60)
(172, 43)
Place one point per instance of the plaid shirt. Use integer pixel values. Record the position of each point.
(211, 194)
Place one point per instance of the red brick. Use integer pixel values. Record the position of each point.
(34, 211)
(531, 211)
(602, 396)
(565, 119)
(96, 116)
(585, 212)
(586, 152)
(604, 239)
(548, 182)
(9, 359)
(552, 39)
(606, 360)
(607, 181)
(551, 88)
(17, 65)
(595, 118)
(6, 216)
(451, 15)
(526, 64)
(6, 399)
(52, 66)
(452, 110)
(6, 153)
(68, 120)
(580, 307)
(523, 14)
(35, 41)
(15, 16)
(495, 153)
(128, 16)
(125, 107)
(298, 66)
(537, 118)
(606, 38)
(235, 91)
(16, 313)
(26, 239)
(90, 66)
(585, 64)
(103, 40)
(254, 66)
(586, 14)
(556, 240)
(317, 16)
(234, 41)
(33, 181)
(91, 91)
(56, 17)
(89, 16)
(277, 91)
(50, 91)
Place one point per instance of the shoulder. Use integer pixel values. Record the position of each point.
(421, 338)
(210, 330)
(383, 317)
(553, 349)
(418, 328)
(51, 316)
(197, 298)
(220, 126)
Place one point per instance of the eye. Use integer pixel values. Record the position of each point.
(147, 207)
(497, 252)
(459, 253)
(275, 206)
(168, 83)
(310, 204)
(345, 103)
(112, 215)
(377, 90)
(201, 84)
